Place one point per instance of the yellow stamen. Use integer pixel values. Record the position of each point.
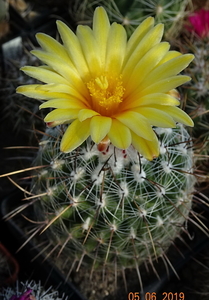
(102, 82)
(106, 93)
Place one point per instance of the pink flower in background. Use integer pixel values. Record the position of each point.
(200, 22)
(26, 296)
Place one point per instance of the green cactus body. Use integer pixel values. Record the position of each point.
(111, 205)
(131, 13)
(196, 94)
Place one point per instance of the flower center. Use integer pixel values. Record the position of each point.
(106, 93)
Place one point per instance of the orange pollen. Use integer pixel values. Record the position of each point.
(106, 91)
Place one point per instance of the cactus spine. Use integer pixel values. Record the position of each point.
(108, 206)
(131, 13)
(196, 95)
(25, 113)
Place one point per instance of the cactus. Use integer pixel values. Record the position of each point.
(131, 13)
(25, 114)
(196, 93)
(29, 290)
(105, 206)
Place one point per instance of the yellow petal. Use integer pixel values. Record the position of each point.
(44, 75)
(73, 47)
(54, 62)
(156, 117)
(119, 135)
(178, 115)
(49, 44)
(116, 48)
(163, 86)
(99, 128)
(91, 49)
(137, 36)
(170, 55)
(56, 123)
(59, 88)
(60, 114)
(149, 100)
(145, 66)
(152, 38)
(67, 90)
(76, 133)
(63, 69)
(34, 91)
(86, 114)
(174, 93)
(149, 149)
(137, 123)
(168, 69)
(62, 103)
(101, 26)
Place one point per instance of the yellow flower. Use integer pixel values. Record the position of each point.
(107, 87)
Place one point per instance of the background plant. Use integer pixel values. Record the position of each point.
(131, 13)
(30, 290)
(25, 112)
(196, 92)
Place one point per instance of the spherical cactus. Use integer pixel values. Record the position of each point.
(104, 205)
(131, 13)
(196, 95)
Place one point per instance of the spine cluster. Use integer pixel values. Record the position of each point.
(112, 205)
